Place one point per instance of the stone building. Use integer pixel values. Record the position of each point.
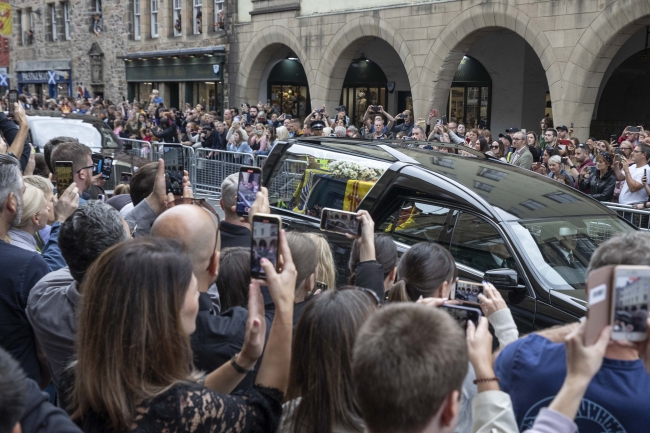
(121, 49)
(505, 62)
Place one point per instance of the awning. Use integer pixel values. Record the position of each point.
(200, 51)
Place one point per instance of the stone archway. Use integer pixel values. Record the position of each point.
(339, 53)
(592, 54)
(257, 54)
(461, 34)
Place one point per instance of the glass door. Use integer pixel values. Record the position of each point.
(457, 105)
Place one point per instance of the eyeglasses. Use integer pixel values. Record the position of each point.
(625, 148)
(203, 204)
(83, 168)
(518, 139)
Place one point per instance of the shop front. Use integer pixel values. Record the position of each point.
(470, 94)
(192, 76)
(44, 78)
(365, 84)
(288, 91)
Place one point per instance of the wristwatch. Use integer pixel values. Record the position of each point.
(238, 368)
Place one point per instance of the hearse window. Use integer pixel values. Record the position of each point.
(477, 244)
(419, 222)
(315, 178)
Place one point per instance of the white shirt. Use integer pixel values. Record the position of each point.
(628, 196)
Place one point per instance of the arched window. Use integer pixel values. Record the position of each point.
(470, 95)
(287, 88)
(364, 84)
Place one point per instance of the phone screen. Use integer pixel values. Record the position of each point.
(630, 304)
(98, 162)
(264, 243)
(463, 314)
(107, 164)
(561, 146)
(64, 176)
(174, 167)
(466, 291)
(249, 185)
(336, 221)
(13, 98)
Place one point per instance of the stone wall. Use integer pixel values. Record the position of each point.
(116, 39)
(574, 41)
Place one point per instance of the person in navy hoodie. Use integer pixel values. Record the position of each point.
(533, 368)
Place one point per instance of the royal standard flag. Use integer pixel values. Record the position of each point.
(5, 19)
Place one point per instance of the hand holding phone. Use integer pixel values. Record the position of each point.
(337, 221)
(64, 176)
(466, 291)
(13, 98)
(463, 314)
(250, 179)
(265, 241)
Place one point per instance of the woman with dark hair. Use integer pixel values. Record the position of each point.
(321, 395)
(496, 150)
(426, 270)
(533, 145)
(134, 360)
(481, 144)
(542, 168)
(234, 277)
(166, 130)
(601, 180)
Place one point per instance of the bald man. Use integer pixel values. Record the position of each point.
(218, 336)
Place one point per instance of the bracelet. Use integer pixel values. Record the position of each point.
(238, 368)
(488, 379)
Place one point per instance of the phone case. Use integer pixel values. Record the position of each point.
(599, 299)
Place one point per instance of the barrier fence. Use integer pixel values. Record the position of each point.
(638, 217)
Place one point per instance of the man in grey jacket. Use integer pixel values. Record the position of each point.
(522, 156)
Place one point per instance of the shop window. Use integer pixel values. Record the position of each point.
(208, 94)
(177, 17)
(197, 16)
(470, 94)
(365, 84)
(136, 20)
(154, 18)
(66, 20)
(219, 15)
(288, 91)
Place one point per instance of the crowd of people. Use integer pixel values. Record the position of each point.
(140, 313)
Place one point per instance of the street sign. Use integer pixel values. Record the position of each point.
(51, 77)
(3, 80)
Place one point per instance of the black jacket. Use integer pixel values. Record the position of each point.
(370, 275)
(233, 235)
(9, 131)
(167, 135)
(216, 141)
(602, 189)
(41, 416)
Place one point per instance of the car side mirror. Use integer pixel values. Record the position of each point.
(503, 279)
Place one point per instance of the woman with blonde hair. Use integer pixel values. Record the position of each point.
(326, 270)
(35, 215)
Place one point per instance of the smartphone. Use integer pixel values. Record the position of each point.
(125, 177)
(630, 303)
(438, 122)
(337, 221)
(64, 176)
(561, 146)
(466, 291)
(101, 197)
(618, 157)
(249, 185)
(571, 124)
(599, 301)
(375, 108)
(98, 162)
(107, 164)
(463, 314)
(613, 137)
(174, 168)
(523, 131)
(265, 239)
(444, 119)
(13, 98)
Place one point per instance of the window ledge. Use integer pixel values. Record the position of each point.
(275, 9)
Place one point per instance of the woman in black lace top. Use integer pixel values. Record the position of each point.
(134, 362)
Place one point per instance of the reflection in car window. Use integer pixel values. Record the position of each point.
(477, 243)
(560, 250)
(312, 179)
(418, 222)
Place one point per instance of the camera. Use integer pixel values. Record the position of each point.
(374, 107)
(320, 111)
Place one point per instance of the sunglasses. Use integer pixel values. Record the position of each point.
(494, 147)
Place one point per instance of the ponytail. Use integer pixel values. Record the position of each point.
(398, 293)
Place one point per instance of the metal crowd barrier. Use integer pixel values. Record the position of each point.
(139, 148)
(638, 217)
(213, 167)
